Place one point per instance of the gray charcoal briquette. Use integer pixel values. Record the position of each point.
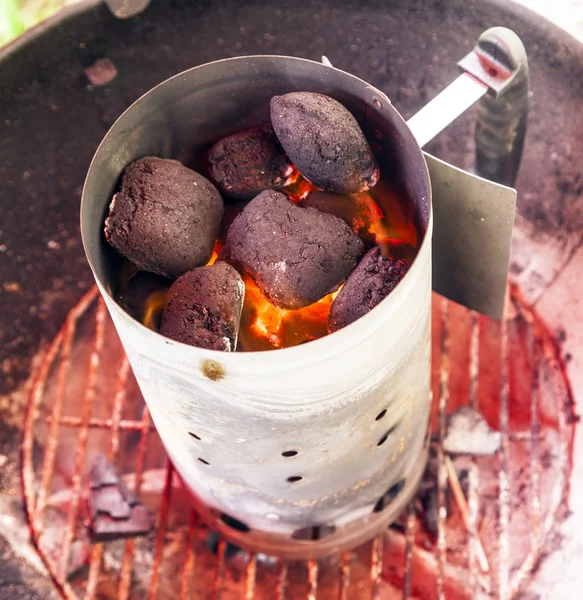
(372, 281)
(249, 162)
(324, 141)
(204, 308)
(295, 255)
(165, 218)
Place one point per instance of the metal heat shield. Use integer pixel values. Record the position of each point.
(472, 237)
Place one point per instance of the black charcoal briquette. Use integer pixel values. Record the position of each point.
(204, 308)
(295, 255)
(373, 280)
(165, 218)
(249, 162)
(324, 141)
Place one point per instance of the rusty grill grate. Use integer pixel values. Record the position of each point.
(85, 401)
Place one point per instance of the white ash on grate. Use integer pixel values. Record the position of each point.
(372, 281)
(244, 164)
(468, 433)
(295, 255)
(115, 511)
(204, 308)
(324, 141)
(165, 217)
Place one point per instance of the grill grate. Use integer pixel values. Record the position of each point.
(84, 401)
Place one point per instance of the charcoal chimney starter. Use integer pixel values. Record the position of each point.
(302, 451)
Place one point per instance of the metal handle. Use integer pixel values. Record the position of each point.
(497, 65)
(495, 76)
(499, 60)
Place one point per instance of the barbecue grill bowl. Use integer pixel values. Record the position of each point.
(353, 406)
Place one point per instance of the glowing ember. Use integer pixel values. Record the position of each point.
(398, 226)
(266, 327)
(379, 212)
(153, 309)
(380, 217)
(300, 188)
(215, 254)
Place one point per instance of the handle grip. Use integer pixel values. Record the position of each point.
(499, 60)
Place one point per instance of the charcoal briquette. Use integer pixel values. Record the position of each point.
(246, 163)
(354, 209)
(324, 141)
(204, 307)
(295, 255)
(373, 280)
(165, 217)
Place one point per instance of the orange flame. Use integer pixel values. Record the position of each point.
(265, 326)
(153, 307)
(398, 226)
(299, 188)
(377, 216)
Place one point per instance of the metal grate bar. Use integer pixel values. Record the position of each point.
(118, 404)
(77, 480)
(312, 580)
(503, 479)
(95, 423)
(161, 531)
(119, 400)
(473, 510)
(220, 570)
(126, 567)
(62, 376)
(409, 543)
(444, 367)
(94, 571)
(535, 468)
(187, 574)
(250, 575)
(376, 567)
(344, 568)
(557, 495)
(28, 443)
(281, 580)
(473, 476)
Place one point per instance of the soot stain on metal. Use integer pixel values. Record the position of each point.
(212, 369)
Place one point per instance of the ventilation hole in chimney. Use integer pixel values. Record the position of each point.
(389, 496)
(194, 436)
(289, 453)
(386, 435)
(294, 478)
(313, 533)
(204, 462)
(234, 523)
(378, 417)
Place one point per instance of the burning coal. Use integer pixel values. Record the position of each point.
(324, 141)
(247, 163)
(203, 308)
(295, 255)
(304, 204)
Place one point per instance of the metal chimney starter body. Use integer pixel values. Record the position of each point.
(307, 450)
